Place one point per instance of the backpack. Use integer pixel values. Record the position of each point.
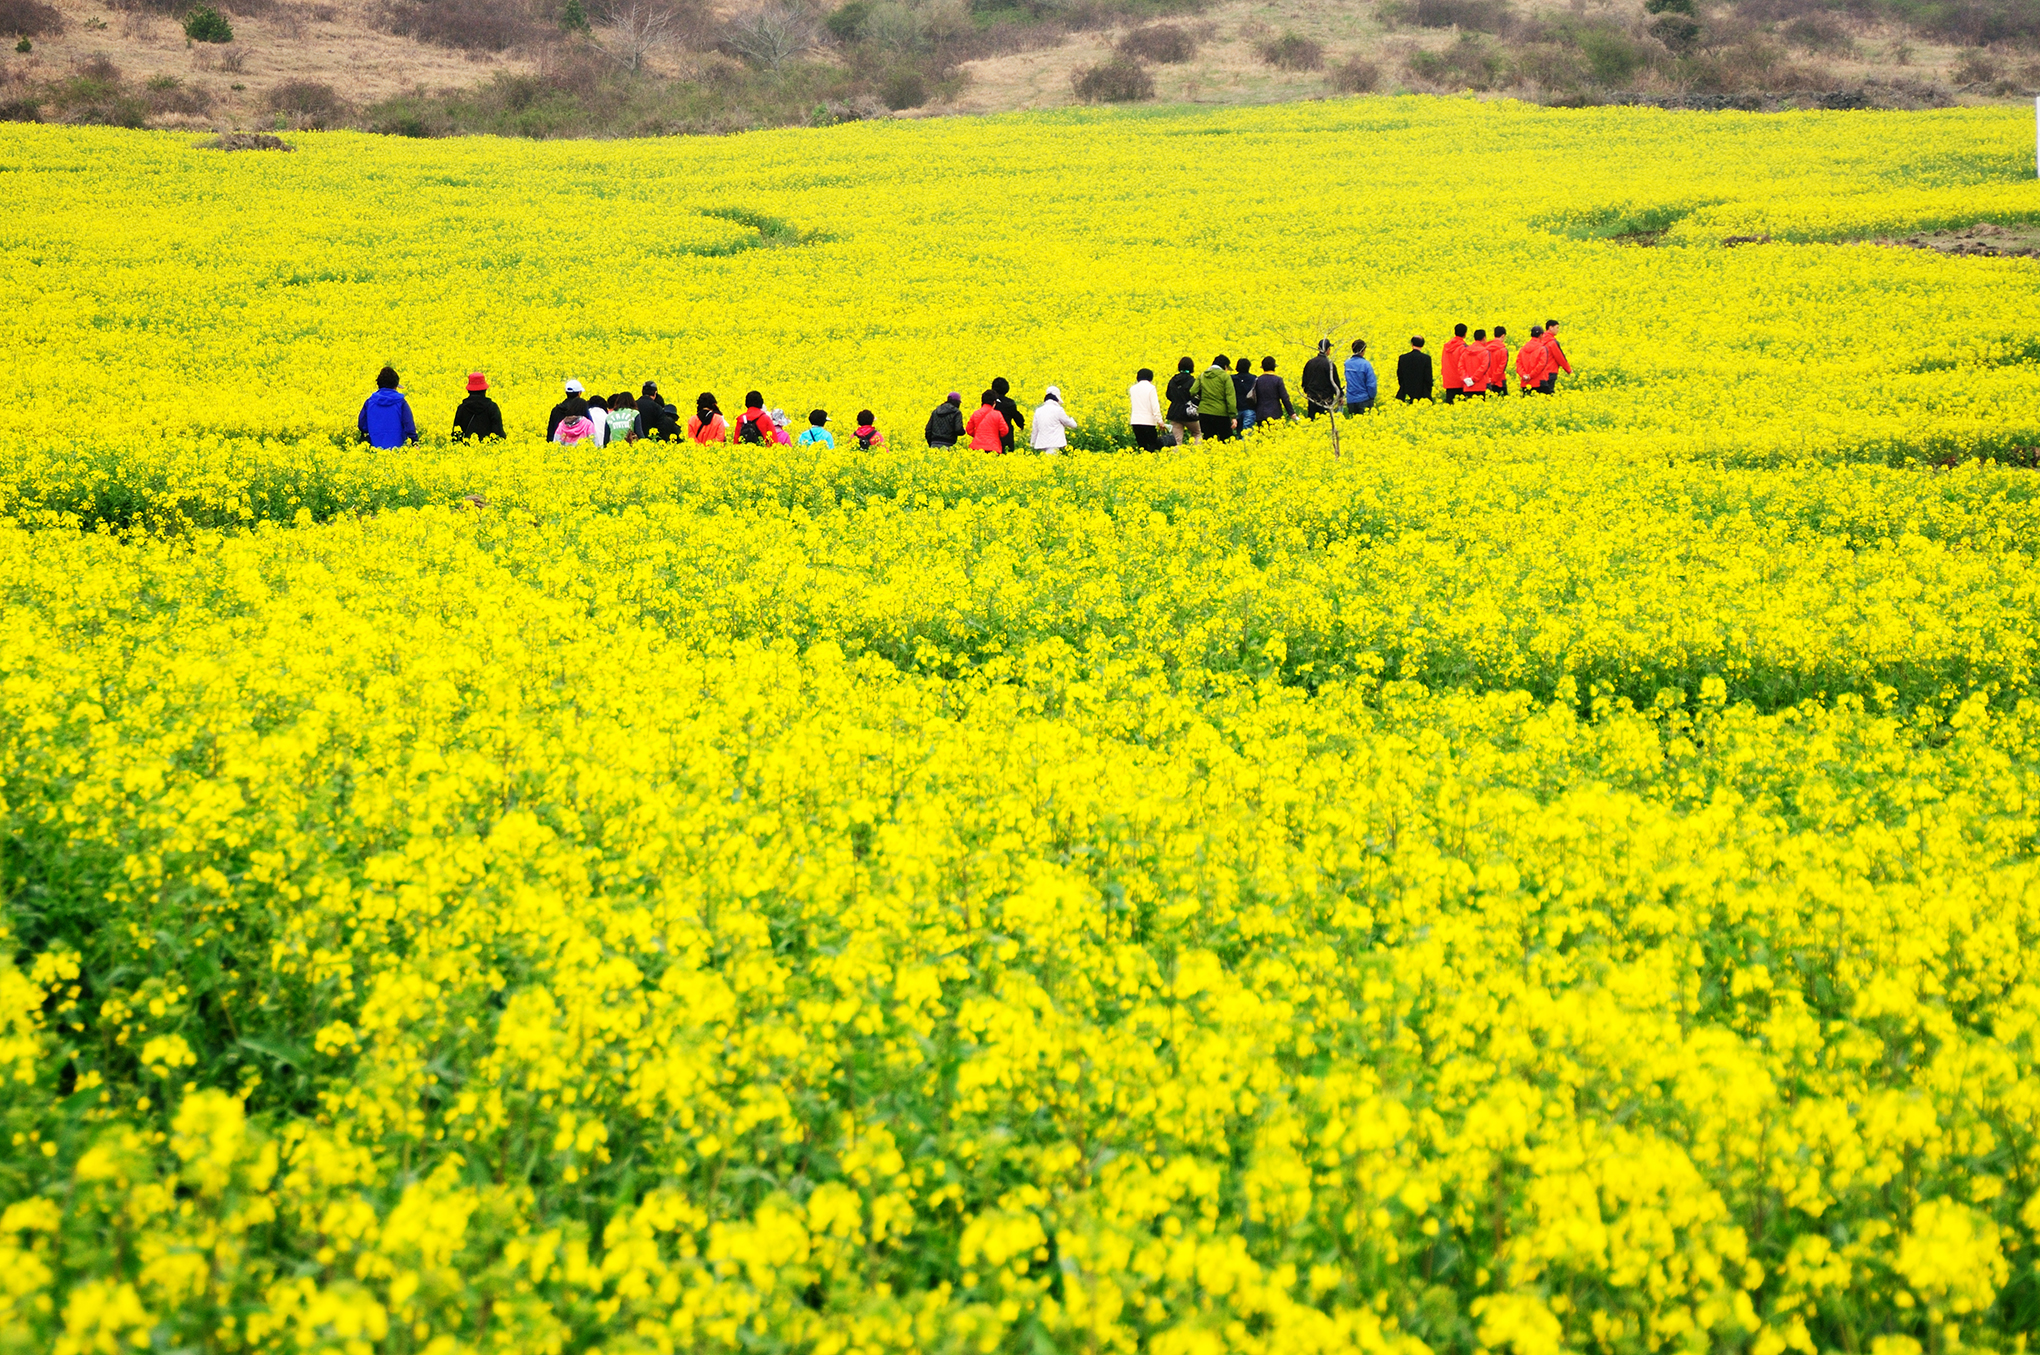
(864, 439)
(622, 423)
(749, 431)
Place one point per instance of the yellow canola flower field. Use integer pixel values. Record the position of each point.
(1559, 876)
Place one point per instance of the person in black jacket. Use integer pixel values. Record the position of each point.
(1015, 421)
(1183, 414)
(478, 416)
(945, 425)
(656, 418)
(1413, 373)
(575, 406)
(1321, 393)
(1243, 392)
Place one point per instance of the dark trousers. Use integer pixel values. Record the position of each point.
(1215, 426)
(1362, 408)
(1147, 437)
(1549, 385)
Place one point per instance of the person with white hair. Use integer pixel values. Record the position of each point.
(1051, 423)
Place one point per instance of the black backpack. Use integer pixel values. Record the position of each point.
(864, 439)
(749, 431)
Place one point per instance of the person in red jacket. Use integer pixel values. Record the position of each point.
(987, 427)
(1498, 362)
(1451, 359)
(1530, 362)
(1554, 358)
(1473, 366)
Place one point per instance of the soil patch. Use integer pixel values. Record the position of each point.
(1984, 240)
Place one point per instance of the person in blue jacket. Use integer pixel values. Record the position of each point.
(1361, 386)
(385, 420)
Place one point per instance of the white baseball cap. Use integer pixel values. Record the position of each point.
(573, 386)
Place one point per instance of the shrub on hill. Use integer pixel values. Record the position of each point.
(310, 105)
(1356, 76)
(1115, 81)
(30, 19)
(1167, 44)
(464, 25)
(1293, 52)
(206, 24)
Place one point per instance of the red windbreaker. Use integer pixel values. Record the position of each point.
(987, 429)
(1554, 356)
(1532, 362)
(1450, 360)
(1498, 364)
(1473, 368)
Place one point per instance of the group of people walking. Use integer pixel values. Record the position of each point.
(1225, 399)
(1229, 398)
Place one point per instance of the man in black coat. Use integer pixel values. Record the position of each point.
(575, 406)
(945, 425)
(1320, 382)
(1015, 420)
(656, 418)
(1413, 373)
(478, 416)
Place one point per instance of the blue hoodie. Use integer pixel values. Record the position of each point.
(1360, 383)
(386, 420)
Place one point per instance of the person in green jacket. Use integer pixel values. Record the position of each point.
(1217, 400)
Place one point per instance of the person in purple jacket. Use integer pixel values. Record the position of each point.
(385, 420)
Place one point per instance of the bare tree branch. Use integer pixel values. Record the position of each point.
(772, 34)
(633, 29)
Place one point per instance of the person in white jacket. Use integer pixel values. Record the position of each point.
(1146, 417)
(1050, 423)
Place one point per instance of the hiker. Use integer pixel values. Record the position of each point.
(817, 433)
(945, 425)
(1243, 393)
(1321, 391)
(574, 430)
(1531, 359)
(1498, 362)
(866, 432)
(1361, 384)
(1413, 373)
(1182, 414)
(1271, 395)
(706, 424)
(624, 424)
(1554, 359)
(1145, 413)
(1218, 403)
(1051, 424)
(1008, 411)
(574, 406)
(1473, 360)
(656, 418)
(477, 416)
(598, 418)
(754, 426)
(385, 419)
(1452, 363)
(987, 427)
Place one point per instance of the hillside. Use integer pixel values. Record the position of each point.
(432, 67)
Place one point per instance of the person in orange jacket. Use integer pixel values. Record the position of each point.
(1473, 366)
(1530, 362)
(1554, 359)
(987, 427)
(1498, 362)
(1451, 363)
